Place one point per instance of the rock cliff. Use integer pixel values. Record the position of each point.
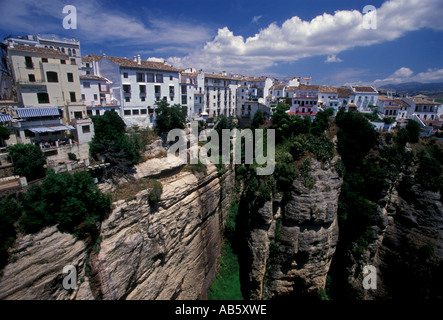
(291, 242)
(165, 251)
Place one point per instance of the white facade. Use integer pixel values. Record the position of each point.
(328, 97)
(364, 96)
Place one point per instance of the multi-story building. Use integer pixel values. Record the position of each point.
(138, 84)
(364, 96)
(192, 91)
(328, 97)
(305, 101)
(389, 107)
(71, 47)
(346, 97)
(427, 111)
(221, 94)
(97, 95)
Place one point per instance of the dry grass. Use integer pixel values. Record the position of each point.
(128, 190)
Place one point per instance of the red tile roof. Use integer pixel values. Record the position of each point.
(37, 50)
(130, 63)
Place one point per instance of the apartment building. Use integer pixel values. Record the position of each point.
(138, 84)
(364, 97)
(70, 47)
(426, 110)
(346, 97)
(192, 91)
(389, 107)
(304, 101)
(221, 94)
(328, 97)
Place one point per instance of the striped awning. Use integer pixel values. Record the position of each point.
(5, 117)
(51, 129)
(37, 112)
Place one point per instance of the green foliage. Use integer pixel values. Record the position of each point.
(28, 160)
(258, 120)
(321, 147)
(169, 117)
(321, 122)
(111, 141)
(305, 172)
(387, 120)
(413, 129)
(356, 137)
(72, 156)
(10, 211)
(430, 167)
(72, 201)
(156, 192)
(4, 133)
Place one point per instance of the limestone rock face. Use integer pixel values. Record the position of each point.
(165, 251)
(169, 252)
(293, 244)
(36, 267)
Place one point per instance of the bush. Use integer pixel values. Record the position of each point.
(28, 160)
(72, 156)
(9, 213)
(73, 202)
(156, 192)
(169, 117)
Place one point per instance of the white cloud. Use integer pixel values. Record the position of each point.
(97, 22)
(326, 34)
(332, 59)
(405, 74)
(255, 19)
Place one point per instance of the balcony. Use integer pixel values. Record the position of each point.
(31, 83)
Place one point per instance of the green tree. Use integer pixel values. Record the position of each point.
(73, 202)
(4, 133)
(9, 213)
(111, 141)
(413, 129)
(169, 117)
(258, 120)
(28, 160)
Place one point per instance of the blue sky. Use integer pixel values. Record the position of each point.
(323, 39)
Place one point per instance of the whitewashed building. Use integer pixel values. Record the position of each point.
(364, 97)
(138, 84)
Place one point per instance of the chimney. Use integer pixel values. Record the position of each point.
(139, 59)
(134, 59)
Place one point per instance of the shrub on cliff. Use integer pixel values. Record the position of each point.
(28, 160)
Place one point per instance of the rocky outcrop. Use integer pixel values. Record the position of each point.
(36, 267)
(167, 250)
(408, 241)
(292, 241)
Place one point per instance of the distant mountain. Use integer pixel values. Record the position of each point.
(413, 88)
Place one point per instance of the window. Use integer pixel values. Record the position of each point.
(184, 99)
(28, 63)
(184, 89)
(72, 96)
(159, 78)
(43, 97)
(83, 97)
(171, 90)
(95, 97)
(140, 77)
(86, 129)
(62, 61)
(87, 64)
(143, 99)
(63, 50)
(44, 59)
(88, 72)
(31, 78)
(86, 85)
(73, 52)
(52, 76)
(143, 111)
(70, 77)
(127, 88)
(170, 78)
(142, 89)
(125, 75)
(73, 61)
(135, 112)
(78, 115)
(127, 99)
(157, 89)
(149, 77)
(127, 112)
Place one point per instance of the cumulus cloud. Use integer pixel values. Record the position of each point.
(326, 34)
(333, 58)
(405, 74)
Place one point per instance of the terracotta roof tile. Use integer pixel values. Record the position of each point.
(364, 89)
(37, 50)
(344, 92)
(129, 63)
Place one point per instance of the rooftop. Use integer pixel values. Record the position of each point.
(364, 89)
(130, 63)
(92, 77)
(427, 102)
(327, 89)
(37, 50)
(344, 92)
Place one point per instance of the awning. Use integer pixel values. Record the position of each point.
(5, 117)
(51, 129)
(37, 112)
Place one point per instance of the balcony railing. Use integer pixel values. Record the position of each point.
(30, 124)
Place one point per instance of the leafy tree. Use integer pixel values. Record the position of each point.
(169, 117)
(413, 129)
(73, 202)
(28, 160)
(4, 133)
(111, 141)
(258, 120)
(321, 122)
(9, 213)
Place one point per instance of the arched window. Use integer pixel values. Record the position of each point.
(70, 52)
